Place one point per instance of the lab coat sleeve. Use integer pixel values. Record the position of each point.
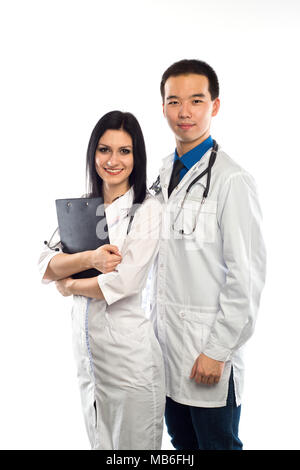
(239, 218)
(47, 254)
(138, 253)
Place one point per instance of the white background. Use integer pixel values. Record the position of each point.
(66, 63)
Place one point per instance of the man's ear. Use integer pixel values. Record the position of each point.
(216, 107)
(163, 108)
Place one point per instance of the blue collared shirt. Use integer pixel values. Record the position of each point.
(193, 156)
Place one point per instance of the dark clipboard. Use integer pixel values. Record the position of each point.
(82, 227)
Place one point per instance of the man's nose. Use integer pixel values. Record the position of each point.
(185, 110)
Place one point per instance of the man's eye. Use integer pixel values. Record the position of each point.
(197, 101)
(173, 102)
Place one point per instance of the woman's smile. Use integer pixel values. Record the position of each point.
(114, 172)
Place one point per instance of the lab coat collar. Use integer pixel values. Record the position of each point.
(117, 218)
(165, 174)
(166, 170)
(121, 205)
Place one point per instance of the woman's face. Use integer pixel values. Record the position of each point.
(114, 158)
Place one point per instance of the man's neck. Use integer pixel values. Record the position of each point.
(184, 147)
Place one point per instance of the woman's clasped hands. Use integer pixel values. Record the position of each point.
(106, 258)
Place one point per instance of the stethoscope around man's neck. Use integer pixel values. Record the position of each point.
(211, 162)
(207, 171)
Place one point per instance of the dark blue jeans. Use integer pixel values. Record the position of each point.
(192, 427)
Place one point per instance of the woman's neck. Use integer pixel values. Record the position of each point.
(112, 192)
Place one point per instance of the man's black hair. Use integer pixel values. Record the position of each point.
(185, 67)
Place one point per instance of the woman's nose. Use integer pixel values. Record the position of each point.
(112, 159)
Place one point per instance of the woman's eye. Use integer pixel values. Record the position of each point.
(125, 151)
(103, 149)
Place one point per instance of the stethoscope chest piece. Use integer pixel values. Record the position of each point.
(53, 247)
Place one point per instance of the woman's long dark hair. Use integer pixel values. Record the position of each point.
(118, 120)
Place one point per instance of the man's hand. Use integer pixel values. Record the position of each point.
(206, 370)
(64, 286)
(106, 258)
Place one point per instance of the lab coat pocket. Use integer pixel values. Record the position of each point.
(120, 332)
(197, 327)
(198, 220)
(130, 355)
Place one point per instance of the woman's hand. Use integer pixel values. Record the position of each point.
(106, 258)
(64, 286)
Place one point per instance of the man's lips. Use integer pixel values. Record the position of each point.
(185, 126)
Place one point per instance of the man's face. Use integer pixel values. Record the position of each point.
(188, 108)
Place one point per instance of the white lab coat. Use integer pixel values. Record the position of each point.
(119, 361)
(207, 285)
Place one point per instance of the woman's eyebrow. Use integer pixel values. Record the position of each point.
(121, 147)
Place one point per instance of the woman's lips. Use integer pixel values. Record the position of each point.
(113, 172)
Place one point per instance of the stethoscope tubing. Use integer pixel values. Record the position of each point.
(207, 171)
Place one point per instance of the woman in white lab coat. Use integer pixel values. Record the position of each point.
(120, 365)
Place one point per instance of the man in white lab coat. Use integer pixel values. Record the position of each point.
(210, 269)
